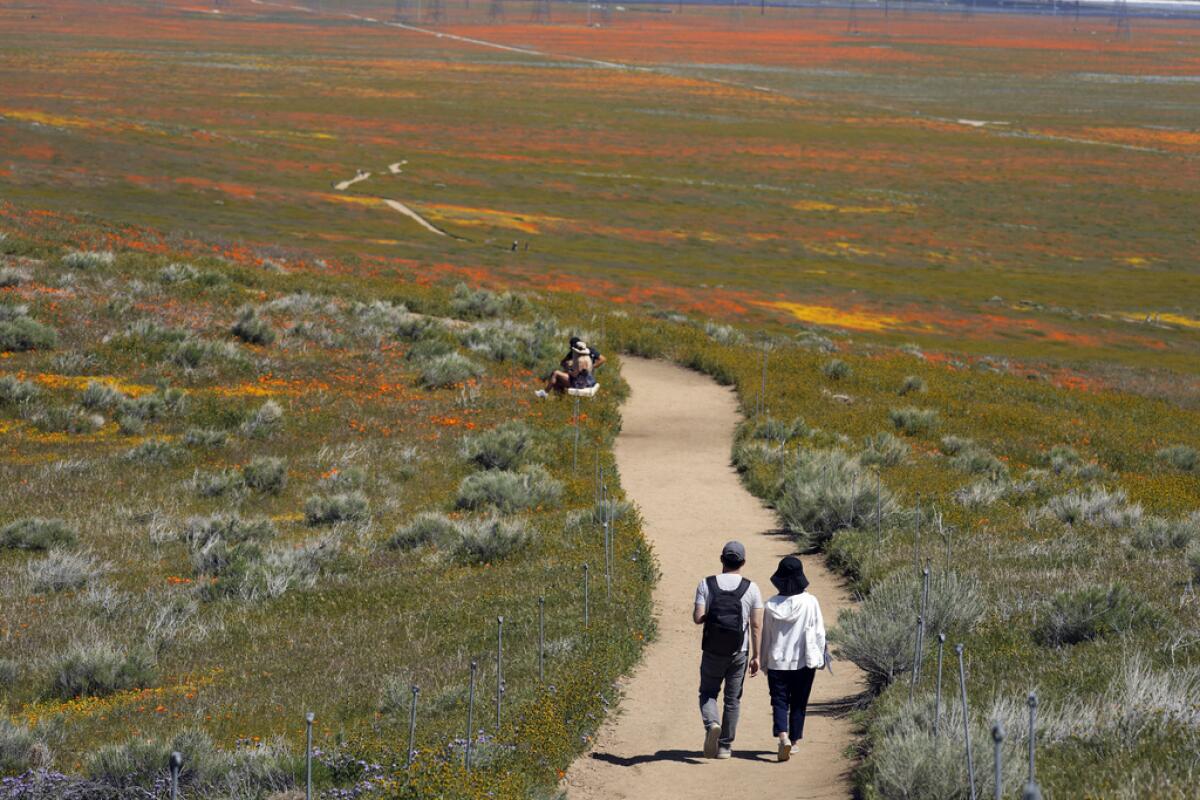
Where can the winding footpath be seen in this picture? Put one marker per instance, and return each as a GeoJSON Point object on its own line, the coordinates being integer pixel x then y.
{"type": "Point", "coordinates": [673, 454]}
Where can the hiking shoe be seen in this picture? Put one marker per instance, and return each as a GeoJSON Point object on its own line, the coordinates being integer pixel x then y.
{"type": "Point", "coordinates": [785, 751]}
{"type": "Point", "coordinates": [795, 748]}
{"type": "Point", "coordinates": [542, 393]}
{"type": "Point", "coordinates": [724, 752]}
{"type": "Point", "coordinates": [712, 735]}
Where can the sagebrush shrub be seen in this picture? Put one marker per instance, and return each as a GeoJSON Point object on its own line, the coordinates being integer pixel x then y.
{"type": "Point", "coordinates": [912, 420]}
{"type": "Point", "coordinates": [14, 391]}
{"type": "Point", "coordinates": [138, 767]}
{"type": "Point", "coordinates": [218, 484]}
{"type": "Point", "coordinates": [193, 352]}
{"type": "Point", "coordinates": [978, 461]}
{"type": "Point", "coordinates": [88, 259]}
{"type": "Point", "coordinates": [911, 384]}
{"type": "Point", "coordinates": [205, 437]}
{"type": "Point", "coordinates": [63, 419]}
{"type": "Point", "coordinates": [415, 327]}
{"type": "Point", "coordinates": [17, 747]}
{"type": "Point", "coordinates": [59, 570]}
{"type": "Point", "coordinates": [1156, 533]}
{"type": "Point", "coordinates": [343, 479]}
{"type": "Point", "coordinates": [986, 491]}
{"type": "Point", "coordinates": [777, 430]}
{"type": "Point", "coordinates": [468, 303]}
{"type": "Point", "coordinates": [266, 420]}
{"type": "Point", "coordinates": [489, 540]}
{"type": "Point", "coordinates": [1180, 456]}
{"type": "Point", "coordinates": [232, 528]}
{"type": "Point", "coordinates": [504, 447]}
{"type": "Point", "coordinates": [178, 273]}
{"type": "Point", "coordinates": [1193, 562]}
{"type": "Point", "coordinates": [884, 449]}
{"type": "Point", "coordinates": [100, 396]}
{"type": "Point", "coordinates": [36, 533]}
{"type": "Point", "coordinates": [825, 491]}
{"type": "Point", "coordinates": [265, 474]}
{"type": "Point", "coordinates": [723, 334]}
{"type": "Point", "coordinates": [22, 333]}
{"type": "Point", "coordinates": [320, 509]}
{"type": "Point", "coordinates": [10, 277]}
{"type": "Point", "coordinates": [836, 369]}
{"type": "Point", "coordinates": [508, 491]}
{"type": "Point", "coordinates": [425, 528]}
{"type": "Point", "coordinates": [98, 669]}
{"type": "Point", "coordinates": [1095, 506]}
{"type": "Point", "coordinates": [154, 451]}
{"type": "Point", "coordinates": [251, 328]}
{"type": "Point", "coordinates": [1091, 613]}
{"type": "Point", "coordinates": [446, 370]}
{"type": "Point", "coordinates": [516, 342]}
{"type": "Point", "coordinates": [879, 634]}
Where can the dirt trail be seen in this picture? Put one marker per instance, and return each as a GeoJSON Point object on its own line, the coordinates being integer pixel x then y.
{"type": "Point", "coordinates": [673, 455]}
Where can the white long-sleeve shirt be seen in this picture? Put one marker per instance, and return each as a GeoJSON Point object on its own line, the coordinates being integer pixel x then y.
{"type": "Point", "coordinates": [793, 634]}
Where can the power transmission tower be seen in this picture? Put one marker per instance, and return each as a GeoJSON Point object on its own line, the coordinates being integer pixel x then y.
{"type": "Point", "coordinates": [852, 19]}
{"type": "Point", "coordinates": [400, 13]}
{"type": "Point", "coordinates": [496, 11]}
{"type": "Point", "coordinates": [435, 11]}
{"type": "Point", "coordinates": [1121, 20]}
{"type": "Point", "coordinates": [605, 12]}
{"type": "Point", "coordinates": [541, 11]}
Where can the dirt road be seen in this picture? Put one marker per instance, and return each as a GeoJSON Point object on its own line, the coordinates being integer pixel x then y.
{"type": "Point", "coordinates": [673, 454]}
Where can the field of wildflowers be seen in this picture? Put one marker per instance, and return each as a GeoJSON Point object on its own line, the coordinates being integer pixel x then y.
{"type": "Point", "coordinates": [211, 482]}
{"type": "Point", "coordinates": [258, 454]}
{"type": "Point", "coordinates": [1060, 529]}
{"type": "Point", "coordinates": [993, 184]}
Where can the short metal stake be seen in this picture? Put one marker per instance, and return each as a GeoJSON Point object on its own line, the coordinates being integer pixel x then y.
{"type": "Point", "coordinates": [912, 683]}
{"type": "Point", "coordinates": [937, 697]}
{"type": "Point", "coordinates": [176, 765]}
{"type": "Point", "coordinates": [1032, 791]}
{"type": "Point", "coordinates": [471, 714]}
{"type": "Point", "coordinates": [997, 756]}
{"type": "Point", "coordinates": [917, 537]}
{"type": "Point", "coordinates": [308, 754]}
{"type": "Point", "coordinates": [412, 727]}
{"type": "Point", "coordinates": [962, 684]}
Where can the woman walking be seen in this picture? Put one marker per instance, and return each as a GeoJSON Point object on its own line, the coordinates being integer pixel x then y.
{"type": "Point", "coordinates": [793, 642]}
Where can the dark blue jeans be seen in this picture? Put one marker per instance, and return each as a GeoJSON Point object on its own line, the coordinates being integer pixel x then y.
{"type": "Point", "coordinates": [789, 699]}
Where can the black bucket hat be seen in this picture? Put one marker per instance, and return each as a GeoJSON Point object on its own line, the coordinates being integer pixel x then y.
{"type": "Point", "coordinates": [789, 577]}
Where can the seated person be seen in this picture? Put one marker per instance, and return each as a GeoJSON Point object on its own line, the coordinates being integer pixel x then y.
{"type": "Point", "coordinates": [576, 372]}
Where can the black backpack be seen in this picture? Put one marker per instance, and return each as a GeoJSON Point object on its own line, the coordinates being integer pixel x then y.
{"type": "Point", "coordinates": [724, 628]}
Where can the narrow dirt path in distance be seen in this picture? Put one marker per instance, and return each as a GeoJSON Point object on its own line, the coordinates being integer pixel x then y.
{"type": "Point", "coordinates": [673, 454]}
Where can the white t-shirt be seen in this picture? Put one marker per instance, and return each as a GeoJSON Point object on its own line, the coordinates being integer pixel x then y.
{"type": "Point", "coordinates": [751, 600]}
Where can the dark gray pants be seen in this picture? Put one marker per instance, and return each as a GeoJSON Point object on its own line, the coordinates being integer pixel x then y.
{"type": "Point", "coordinates": [715, 671]}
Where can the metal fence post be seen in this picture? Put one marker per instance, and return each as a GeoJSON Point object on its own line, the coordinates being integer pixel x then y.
{"type": "Point", "coordinates": [176, 765]}
{"type": "Point", "coordinates": [412, 727]}
{"type": "Point", "coordinates": [308, 752]}
{"type": "Point", "coordinates": [962, 684]}
{"type": "Point", "coordinates": [917, 537]}
{"type": "Point", "coordinates": [937, 697]}
{"type": "Point", "coordinates": [575, 452]}
{"type": "Point", "coordinates": [499, 668]}
{"type": "Point", "coordinates": [915, 676]}
{"type": "Point", "coordinates": [542, 639]}
{"type": "Point", "coordinates": [607, 561]}
{"type": "Point", "coordinates": [471, 714]}
{"type": "Point", "coordinates": [1032, 791]}
{"type": "Point", "coordinates": [923, 620]}
{"type": "Point", "coordinates": [997, 756]}
{"type": "Point", "coordinates": [586, 620]}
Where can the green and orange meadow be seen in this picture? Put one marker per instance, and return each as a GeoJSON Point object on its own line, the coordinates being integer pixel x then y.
{"type": "Point", "coordinates": [276, 283]}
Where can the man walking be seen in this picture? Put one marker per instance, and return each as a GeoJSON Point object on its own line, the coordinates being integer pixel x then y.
{"type": "Point", "coordinates": [731, 609]}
